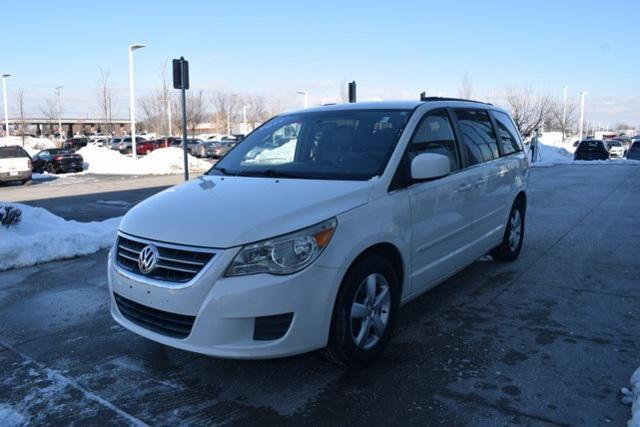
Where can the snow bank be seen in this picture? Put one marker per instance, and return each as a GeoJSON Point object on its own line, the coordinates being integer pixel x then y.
{"type": "Point", "coordinates": [31, 145]}
{"type": "Point", "coordinates": [42, 236]}
{"type": "Point", "coordinates": [163, 161]}
{"type": "Point", "coordinates": [560, 154]}
{"type": "Point", "coordinates": [633, 396]}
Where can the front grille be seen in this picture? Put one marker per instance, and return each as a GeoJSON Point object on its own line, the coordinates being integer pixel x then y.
{"type": "Point", "coordinates": [174, 265]}
{"type": "Point", "coordinates": [162, 322]}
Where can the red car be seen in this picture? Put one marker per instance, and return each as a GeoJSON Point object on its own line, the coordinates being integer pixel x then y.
{"type": "Point", "coordinates": [146, 147]}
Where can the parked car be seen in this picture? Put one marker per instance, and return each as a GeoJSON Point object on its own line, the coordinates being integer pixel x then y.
{"type": "Point", "coordinates": [633, 153]}
{"type": "Point", "coordinates": [75, 143]}
{"type": "Point", "coordinates": [114, 143]}
{"type": "Point", "coordinates": [616, 149]}
{"type": "Point", "coordinates": [219, 149]}
{"type": "Point", "coordinates": [200, 150]}
{"type": "Point", "coordinates": [146, 147]}
{"type": "Point", "coordinates": [15, 165]}
{"type": "Point", "coordinates": [592, 149]}
{"type": "Point", "coordinates": [57, 161]}
{"type": "Point", "coordinates": [99, 141]}
{"type": "Point", "coordinates": [191, 144]}
{"type": "Point", "coordinates": [125, 146]}
{"type": "Point", "coordinates": [318, 242]}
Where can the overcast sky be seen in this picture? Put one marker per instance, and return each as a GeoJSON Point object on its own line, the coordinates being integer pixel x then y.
{"type": "Point", "coordinates": [394, 50]}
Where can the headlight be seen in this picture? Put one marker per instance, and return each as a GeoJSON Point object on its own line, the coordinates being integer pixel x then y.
{"type": "Point", "coordinates": [283, 254]}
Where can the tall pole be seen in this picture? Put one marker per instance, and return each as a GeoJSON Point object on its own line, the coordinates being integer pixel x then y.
{"type": "Point", "coordinates": [58, 93]}
{"type": "Point", "coordinates": [305, 94]}
{"type": "Point", "coordinates": [169, 115]}
{"type": "Point", "coordinates": [132, 103]}
{"type": "Point", "coordinates": [183, 72]}
{"type": "Point", "coordinates": [244, 119]}
{"type": "Point", "coordinates": [564, 113]}
{"type": "Point", "coordinates": [4, 96]}
{"type": "Point", "coordinates": [582, 94]}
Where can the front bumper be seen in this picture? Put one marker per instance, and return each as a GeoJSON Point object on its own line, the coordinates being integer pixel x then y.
{"type": "Point", "coordinates": [226, 308]}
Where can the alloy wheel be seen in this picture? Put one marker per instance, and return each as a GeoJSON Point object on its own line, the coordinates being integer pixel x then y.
{"type": "Point", "coordinates": [370, 311]}
{"type": "Point", "coordinates": [515, 231]}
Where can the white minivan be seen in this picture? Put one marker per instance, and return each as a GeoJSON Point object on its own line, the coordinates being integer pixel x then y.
{"type": "Point", "coordinates": [315, 229]}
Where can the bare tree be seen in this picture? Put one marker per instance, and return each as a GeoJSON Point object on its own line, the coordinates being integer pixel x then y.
{"type": "Point", "coordinates": [49, 111]}
{"type": "Point", "coordinates": [22, 122]}
{"type": "Point", "coordinates": [222, 110]}
{"type": "Point", "coordinates": [529, 111]}
{"type": "Point", "coordinates": [561, 120]}
{"type": "Point", "coordinates": [156, 105]}
{"type": "Point", "coordinates": [196, 110]}
{"type": "Point", "coordinates": [105, 100]}
{"type": "Point", "coordinates": [465, 90]}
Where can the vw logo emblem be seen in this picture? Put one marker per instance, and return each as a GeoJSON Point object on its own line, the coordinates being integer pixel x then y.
{"type": "Point", "coordinates": [147, 259]}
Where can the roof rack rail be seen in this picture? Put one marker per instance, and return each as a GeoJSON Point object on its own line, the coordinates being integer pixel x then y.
{"type": "Point", "coordinates": [425, 98]}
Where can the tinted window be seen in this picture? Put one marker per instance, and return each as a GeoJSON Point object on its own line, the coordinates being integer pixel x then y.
{"type": "Point", "coordinates": [509, 137]}
{"type": "Point", "coordinates": [435, 135]}
{"type": "Point", "coordinates": [635, 147]}
{"type": "Point", "coordinates": [591, 145]}
{"type": "Point", "coordinates": [12, 152]}
{"type": "Point", "coordinates": [480, 140]}
{"type": "Point", "coordinates": [338, 144]}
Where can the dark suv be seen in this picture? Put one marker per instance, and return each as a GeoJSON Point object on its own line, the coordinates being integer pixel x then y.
{"type": "Point", "coordinates": [633, 153]}
{"type": "Point", "coordinates": [75, 143]}
{"type": "Point", "coordinates": [591, 149]}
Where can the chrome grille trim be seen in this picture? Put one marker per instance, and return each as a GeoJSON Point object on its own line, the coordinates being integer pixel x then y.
{"type": "Point", "coordinates": [177, 265]}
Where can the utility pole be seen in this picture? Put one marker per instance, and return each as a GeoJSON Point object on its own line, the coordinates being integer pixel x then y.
{"type": "Point", "coordinates": [132, 102]}
{"type": "Point", "coordinates": [59, 94]}
{"type": "Point", "coordinates": [6, 109]}
{"type": "Point", "coordinates": [582, 94]}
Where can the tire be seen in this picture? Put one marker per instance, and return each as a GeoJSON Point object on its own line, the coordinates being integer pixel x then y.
{"type": "Point", "coordinates": [511, 245]}
{"type": "Point", "coordinates": [352, 342]}
{"type": "Point", "coordinates": [50, 169]}
{"type": "Point", "coordinates": [146, 153]}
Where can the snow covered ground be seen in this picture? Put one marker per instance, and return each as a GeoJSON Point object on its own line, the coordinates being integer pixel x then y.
{"type": "Point", "coordinates": [42, 236]}
{"type": "Point", "coordinates": [633, 397]}
{"type": "Point", "coordinates": [164, 161]}
{"type": "Point", "coordinates": [554, 152]}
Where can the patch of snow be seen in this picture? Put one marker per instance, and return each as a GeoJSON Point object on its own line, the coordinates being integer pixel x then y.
{"type": "Point", "coordinates": [42, 236]}
{"type": "Point", "coordinates": [31, 145]}
{"type": "Point", "coordinates": [163, 161]}
{"type": "Point", "coordinates": [274, 156]}
{"type": "Point", "coordinates": [561, 153]}
{"type": "Point", "coordinates": [633, 397]}
{"type": "Point", "coordinates": [10, 418]}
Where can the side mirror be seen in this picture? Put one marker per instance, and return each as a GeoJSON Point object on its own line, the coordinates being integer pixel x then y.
{"type": "Point", "coordinates": [430, 166]}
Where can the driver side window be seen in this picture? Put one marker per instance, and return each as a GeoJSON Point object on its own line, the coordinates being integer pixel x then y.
{"type": "Point", "coordinates": [435, 135]}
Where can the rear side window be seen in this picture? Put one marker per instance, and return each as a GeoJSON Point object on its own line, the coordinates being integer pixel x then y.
{"type": "Point", "coordinates": [635, 147]}
{"type": "Point", "coordinates": [509, 137]}
{"type": "Point", "coordinates": [12, 152]}
{"type": "Point", "coordinates": [435, 135]}
{"type": "Point", "coordinates": [479, 139]}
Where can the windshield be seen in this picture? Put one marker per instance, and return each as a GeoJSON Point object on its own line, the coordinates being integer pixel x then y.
{"type": "Point", "coordinates": [348, 144]}
{"type": "Point", "coordinates": [615, 144]}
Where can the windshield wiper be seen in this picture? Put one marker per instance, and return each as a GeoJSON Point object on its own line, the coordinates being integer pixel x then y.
{"type": "Point", "coordinates": [271, 173]}
{"type": "Point", "coordinates": [224, 171]}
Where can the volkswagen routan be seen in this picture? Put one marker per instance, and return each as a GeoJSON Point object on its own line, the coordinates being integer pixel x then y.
{"type": "Point", "coordinates": [314, 230]}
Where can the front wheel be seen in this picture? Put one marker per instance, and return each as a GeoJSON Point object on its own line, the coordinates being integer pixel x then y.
{"type": "Point", "coordinates": [513, 237]}
{"type": "Point", "coordinates": [365, 313]}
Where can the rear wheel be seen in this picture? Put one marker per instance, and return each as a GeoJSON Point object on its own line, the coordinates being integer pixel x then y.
{"type": "Point", "coordinates": [513, 237]}
{"type": "Point", "coordinates": [365, 313]}
{"type": "Point", "coordinates": [50, 168]}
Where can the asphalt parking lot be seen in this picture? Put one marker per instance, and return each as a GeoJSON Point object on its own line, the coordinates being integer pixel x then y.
{"type": "Point", "coordinates": [547, 340]}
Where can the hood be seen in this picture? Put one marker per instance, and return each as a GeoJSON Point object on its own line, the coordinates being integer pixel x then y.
{"type": "Point", "coordinates": [222, 212]}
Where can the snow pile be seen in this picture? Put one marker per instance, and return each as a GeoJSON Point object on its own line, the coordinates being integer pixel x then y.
{"type": "Point", "coordinates": [633, 396]}
{"type": "Point", "coordinates": [42, 236]}
{"type": "Point", "coordinates": [163, 161]}
{"type": "Point", "coordinates": [551, 155]}
{"type": "Point", "coordinates": [31, 145]}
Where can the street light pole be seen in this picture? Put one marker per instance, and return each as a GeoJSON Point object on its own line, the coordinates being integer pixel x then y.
{"type": "Point", "coordinates": [582, 94]}
{"type": "Point", "coordinates": [169, 115]}
{"type": "Point", "coordinates": [305, 94]}
{"type": "Point", "coordinates": [564, 113]}
{"type": "Point", "coordinates": [4, 96]}
{"type": "Point", "coordinates": [244, 119]}
{"type": "Point", "coordinates": [58, 93]}
{"type": "Point", "coordinates": [132, 104]}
